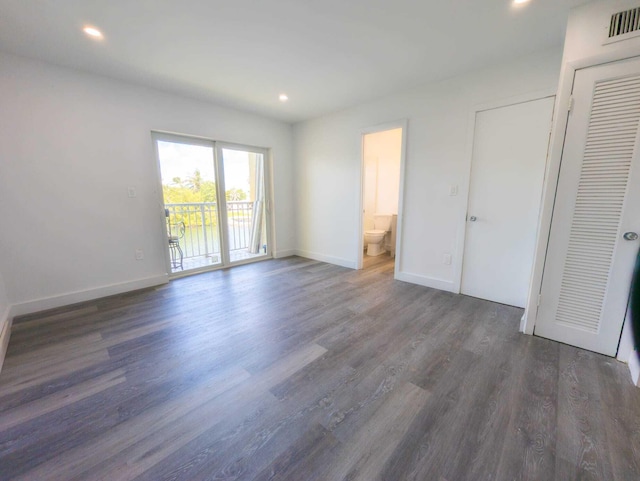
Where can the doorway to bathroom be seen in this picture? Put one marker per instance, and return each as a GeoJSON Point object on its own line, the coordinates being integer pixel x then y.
{"type": "Point", "coordinates": [381, 201]}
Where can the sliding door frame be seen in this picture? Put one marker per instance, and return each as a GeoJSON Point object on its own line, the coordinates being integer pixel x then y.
{"type": "Point", "coordinates": [226, 261]}
{"type": "Point", "coordinates": [217, 147]}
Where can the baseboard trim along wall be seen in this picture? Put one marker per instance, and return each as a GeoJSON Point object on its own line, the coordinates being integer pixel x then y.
{"type": "Point", "coordinates": [328, 259]}
{"type": "Point", "coordinates": [67, 299]}
{"type": "Point", "coordinates": [425, 281]}
{"type": "Point", "coordinates": [5, 333]}
{"type": "Point", "coordinates": [284, 253]}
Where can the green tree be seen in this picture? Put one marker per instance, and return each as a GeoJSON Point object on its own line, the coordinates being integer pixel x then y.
{"type": "Point", "coordinates": [235, 194]}
{"type": "Point", "coordinates": [208, 191]}
{"type": "Point", "coordinates": [194, 182]}
{"type": "Point", "coordinates": [193, 190]}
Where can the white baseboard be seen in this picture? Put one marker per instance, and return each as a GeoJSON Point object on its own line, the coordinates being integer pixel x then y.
{"type": "Point", "coordinates": [433, 282]}
{"type": "Point", "coordinates": [284, 253]}
{"type": "Point", "coordinates": [85, 295]}
{"type": "Point", "coordinates": [634, 367]}
{"type": "Point", "coordinates": [523, 322]}
{"type": "Point", "coordinates": [328, 259]}
{"type": "Point", "coordinates": [5, 333]}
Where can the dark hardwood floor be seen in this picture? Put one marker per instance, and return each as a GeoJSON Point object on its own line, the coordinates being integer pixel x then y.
{"type": "Point", "coordinates": [293, 369]}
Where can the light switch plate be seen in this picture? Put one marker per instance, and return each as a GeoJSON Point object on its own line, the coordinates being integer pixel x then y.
{"type": "Point", "coordinates": [131, 192]}
{"type": "Point", "coordinates": [453, 190]}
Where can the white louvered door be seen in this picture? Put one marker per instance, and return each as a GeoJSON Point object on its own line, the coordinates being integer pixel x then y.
{"type": "Point", "coordinates": [589, 264]}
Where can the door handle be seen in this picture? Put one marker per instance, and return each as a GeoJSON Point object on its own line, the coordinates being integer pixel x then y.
{"type": "Point", "coordinates": [630, 236]}
{"type": "Point", "coordinates": [473, 218]}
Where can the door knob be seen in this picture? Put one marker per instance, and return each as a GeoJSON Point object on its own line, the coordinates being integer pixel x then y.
{"type": "Point", "coordinates": [630, 236]}
{"type": "Point", "coordinates": [473, 218]}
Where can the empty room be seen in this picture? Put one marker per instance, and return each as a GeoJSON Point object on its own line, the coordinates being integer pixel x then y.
{"type": "Point", "coordinates": [320, 240]}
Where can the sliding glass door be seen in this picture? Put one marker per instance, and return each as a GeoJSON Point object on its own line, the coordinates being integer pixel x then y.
{"type": "Point", "coordinates": [215, 203]}
{"type": "Point", "coordinates": [245, 216]}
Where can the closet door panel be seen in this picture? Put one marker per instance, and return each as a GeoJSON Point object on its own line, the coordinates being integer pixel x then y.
{"type": "Point", "coordinates": [589, 263]}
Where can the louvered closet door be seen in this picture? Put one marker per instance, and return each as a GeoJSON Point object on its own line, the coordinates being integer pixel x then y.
{"type": "Point", "coordinates": [589, 264]}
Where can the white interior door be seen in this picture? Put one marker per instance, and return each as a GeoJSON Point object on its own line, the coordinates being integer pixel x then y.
{"type": "Point", "coordinates": [507, 173]}
{"type": "Point", "coordinates": [589, 263]}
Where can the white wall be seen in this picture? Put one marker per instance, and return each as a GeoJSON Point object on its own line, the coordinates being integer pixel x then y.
{"type": "Point", "coordinates": [370, 189]}
{"type": "Point", "coordinates": [70, 144]}
{"type": "Point", "coordinates": [587, 28]}
{"type": "Point", "coordinates": [438, 154]}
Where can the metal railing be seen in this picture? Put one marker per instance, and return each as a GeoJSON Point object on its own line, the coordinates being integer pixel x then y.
{"type": "Point", "coordinates": [201, 231]}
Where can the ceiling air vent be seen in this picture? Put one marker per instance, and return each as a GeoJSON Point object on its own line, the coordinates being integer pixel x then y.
{"type": "Point", "coordinates": [625, 22]}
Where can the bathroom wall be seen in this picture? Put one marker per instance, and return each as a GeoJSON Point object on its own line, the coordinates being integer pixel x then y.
{"type": "Point", "coordinates": [381, 174]}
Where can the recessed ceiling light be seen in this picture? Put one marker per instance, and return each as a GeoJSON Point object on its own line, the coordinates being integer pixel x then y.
{"type": "Point", "coordinates": [283, 97]}
{"type": "Point", "coordinates": [520, 2]}
{"type": "Point", "coordinates": [93, 32]}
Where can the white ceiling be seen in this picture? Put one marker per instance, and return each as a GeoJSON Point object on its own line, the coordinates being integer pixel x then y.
{"type": "Point", "coordinates": [325, 54]}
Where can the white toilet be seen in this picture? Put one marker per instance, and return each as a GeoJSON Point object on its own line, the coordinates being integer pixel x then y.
{"type": "Point", "coordinates": [375, 238]}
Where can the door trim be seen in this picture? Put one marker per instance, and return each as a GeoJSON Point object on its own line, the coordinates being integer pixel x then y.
{"type": "Point", "coordinates": [155, 137]}
{"type": "Point", "coordinates": [458, 257]}
{"type": "Point", "coordinates": [398, 124]}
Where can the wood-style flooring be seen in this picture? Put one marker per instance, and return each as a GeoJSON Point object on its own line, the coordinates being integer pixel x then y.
{"type": "Point", "coordinates": [294, 369]}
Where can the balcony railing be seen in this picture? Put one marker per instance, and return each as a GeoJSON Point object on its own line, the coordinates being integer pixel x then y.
{"type": "Point", "coordinates": [201, 231]}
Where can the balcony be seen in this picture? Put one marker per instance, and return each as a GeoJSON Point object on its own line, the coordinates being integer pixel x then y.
{"type": "Point", "coordinates": [200, 240]}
